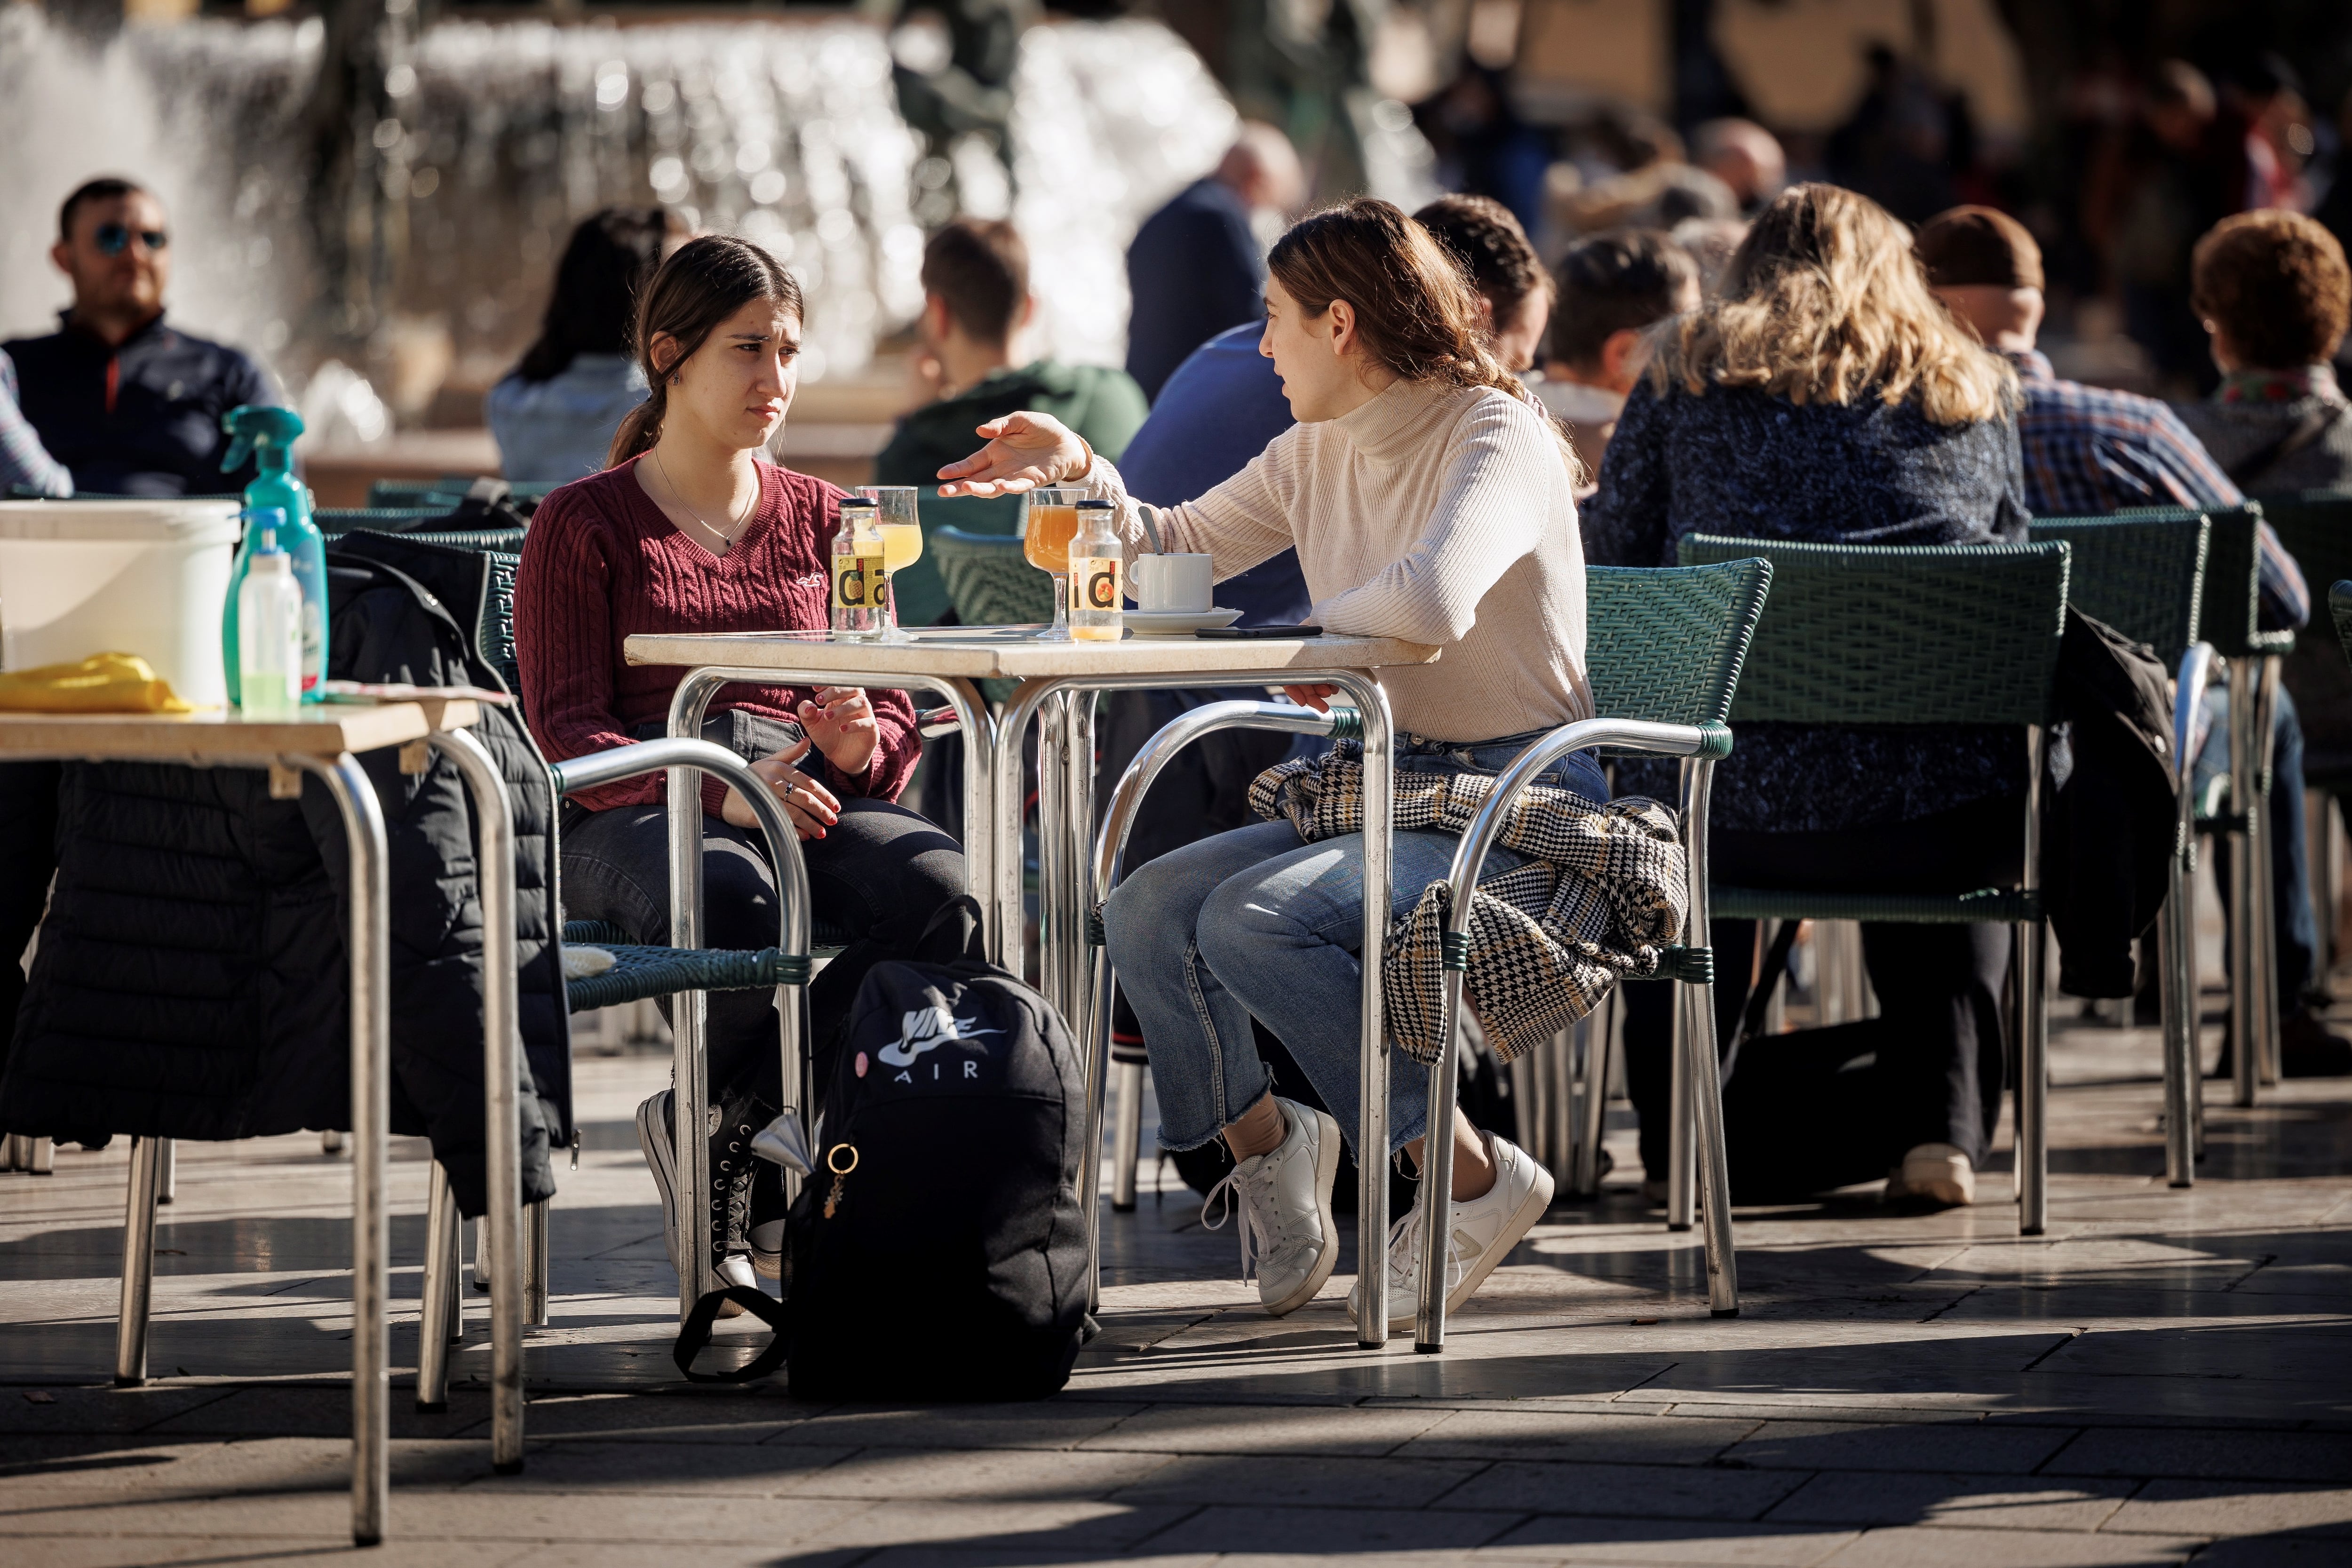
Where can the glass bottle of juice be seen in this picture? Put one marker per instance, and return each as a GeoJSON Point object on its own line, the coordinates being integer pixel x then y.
{"type": "Point", "coordinates": [856, 571]}
{"type": "Point", "coordinates": [1097, 558]}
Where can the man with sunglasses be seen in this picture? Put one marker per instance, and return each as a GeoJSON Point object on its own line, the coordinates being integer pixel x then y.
{"type": "Point", "coordinates": [130, 405]}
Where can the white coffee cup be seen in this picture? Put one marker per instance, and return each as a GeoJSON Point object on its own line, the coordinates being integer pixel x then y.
{"type": "Point", "coordinates": [1170, 582]}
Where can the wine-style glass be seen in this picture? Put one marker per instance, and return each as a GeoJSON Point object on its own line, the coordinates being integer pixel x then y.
{"type": "Point", "coordinates": [1049, 522]}
{"type": "Point", "coordinates": [902, 546]}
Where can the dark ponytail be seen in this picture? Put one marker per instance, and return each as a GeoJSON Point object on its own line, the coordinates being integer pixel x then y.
{"type": "Point", "coordinates": [703, 283]}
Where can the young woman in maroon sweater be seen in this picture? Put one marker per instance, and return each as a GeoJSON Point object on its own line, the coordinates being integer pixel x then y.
{"type": "Point", "coordinates": [688, 531]}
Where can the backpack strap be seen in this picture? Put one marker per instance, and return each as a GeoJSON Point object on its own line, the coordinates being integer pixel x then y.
{"type": "Point", "coordinates": [694, 1335]}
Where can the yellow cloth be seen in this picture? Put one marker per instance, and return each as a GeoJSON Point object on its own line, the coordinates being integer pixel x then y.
{"type": "Point", "coordinates": [102, 683]}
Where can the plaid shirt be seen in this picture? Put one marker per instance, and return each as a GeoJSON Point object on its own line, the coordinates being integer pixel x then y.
{"type": "Point", "coordinates": [23, 459]}
{"type": "Point", "coordinates": [2092, 450]}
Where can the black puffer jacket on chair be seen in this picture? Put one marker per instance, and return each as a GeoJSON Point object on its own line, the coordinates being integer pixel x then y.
{"type": "Point", "coordinates": [190, 977]}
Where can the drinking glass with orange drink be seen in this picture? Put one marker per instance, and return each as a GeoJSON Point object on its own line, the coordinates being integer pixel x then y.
{"type": "Point", "coordinates": [902, 545]}
{"type": "Point", "coordinates": [1049, 522]}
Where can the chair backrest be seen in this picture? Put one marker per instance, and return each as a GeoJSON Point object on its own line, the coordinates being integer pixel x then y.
{"type": "Point", "coordinates": [2233, 568]}
{"type": "Point", "coordinates": [495, 633]}
{"type": "Point", "coordinates": [1666, 644]}
{"type": "Point", "coordinates": [989, 582]}
{"type": "Point", "coordinates": [1939, 634]}
{"type": "Point", "coordinates": [2339, 610]}
{"type": "Point", "coordinates": [335, 520]}
{"type": "Point", "coordinates": [2145, 576]}
{"type": "Point", "coordinates": [2315, 526]}
{"type": "Point", "coordinates": [445, 492]}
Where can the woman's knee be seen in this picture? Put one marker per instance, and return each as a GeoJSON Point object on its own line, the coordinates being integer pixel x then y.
{"type": "Point", "coordinates": [1149, 915]}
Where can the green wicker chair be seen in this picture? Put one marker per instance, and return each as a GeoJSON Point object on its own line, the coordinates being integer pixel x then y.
{"type": "Point", "coordinates": [444, 493]}
{"type": "Point", "coordinates": [340, 520]}
{"type": "Point", "coordinates": [2317, 529]}
{"type": "Point", "coordinates": [1909, 636]}
{"type": "Point", "coordinates": [2144, 575]}
{"type": "Point", "coordinates": [2256, 661]}
{"type": "Point", "coordinates": [989, 581]}
{"type": "Point", "coordinates": [1668, 646]}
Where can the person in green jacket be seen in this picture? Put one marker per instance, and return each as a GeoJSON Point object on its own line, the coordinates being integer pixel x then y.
{"type": "Point", "coordinates": [976, 314]}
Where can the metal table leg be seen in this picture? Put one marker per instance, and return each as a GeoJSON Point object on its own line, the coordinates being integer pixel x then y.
{"type": "Point", "coordinates": [437, 1311]}
{"type": "Point", "coordinates": [2245, 1058]}
{"type": "Point", "coordinates": [2033, 1006]}
{"type": "Point", "coordinates": [138, 1264]}
{"type": "Point", "coordinates": [2265, 927]}
{"type": "Point", "coordinates": [167, 1169]}
{"type": "Point", "coordinates": [501, 1081]}
{"type": "Point", "coordinates": [2176, 937]}
{"type": "Point", "coordinates": [369, 942]}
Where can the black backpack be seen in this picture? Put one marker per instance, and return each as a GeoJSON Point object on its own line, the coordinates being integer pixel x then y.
{"type": "Point", "coordinates": [939, 1249]}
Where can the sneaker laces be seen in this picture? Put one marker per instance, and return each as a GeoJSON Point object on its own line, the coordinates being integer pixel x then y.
{"type": "Point", "coordinates": [1404, 1252]}
{"type": "Point", "coordinates": [1248, 1192]}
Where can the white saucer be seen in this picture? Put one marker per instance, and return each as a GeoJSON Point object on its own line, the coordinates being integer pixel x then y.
{"type": "Point", "coordinates": [1178, 623]}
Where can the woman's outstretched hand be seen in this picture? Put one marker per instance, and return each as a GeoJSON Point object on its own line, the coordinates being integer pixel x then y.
{"type": "Point", "coordinates": [809, 804]}
{"type": "Point", "coordinates": [1024, 451]}
{"type": "Point", "coordinates": [841, 721]}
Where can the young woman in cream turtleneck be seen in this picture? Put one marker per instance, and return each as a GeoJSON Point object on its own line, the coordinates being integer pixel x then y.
{"type": "Point", "coordinates": [1429, 499]}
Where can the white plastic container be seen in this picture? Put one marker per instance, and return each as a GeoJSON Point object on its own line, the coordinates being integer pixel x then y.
{"type": "Point", "coordinates": [146, 577]}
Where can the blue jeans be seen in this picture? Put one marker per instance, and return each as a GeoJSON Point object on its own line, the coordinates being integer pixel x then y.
{"type": "Point", "coordinates": [1255, 923]}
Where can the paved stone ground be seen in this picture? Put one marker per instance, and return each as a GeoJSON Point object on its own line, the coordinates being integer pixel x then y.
{"type": "Point", "coordinates": [2164, 1377]}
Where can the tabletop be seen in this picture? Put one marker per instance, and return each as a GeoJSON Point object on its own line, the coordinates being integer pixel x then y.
{"type": "Point", "coordinates": [1016, 654]}
{"type": "Point", "coordinates": [320, 730]}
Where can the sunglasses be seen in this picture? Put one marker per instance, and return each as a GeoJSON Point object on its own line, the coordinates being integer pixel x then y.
{"type": "Point", "coordinates": [114, 238]}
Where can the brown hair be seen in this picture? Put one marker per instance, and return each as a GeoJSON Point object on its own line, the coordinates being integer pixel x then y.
{"type": "Point", "coordinates": [2276, 283]}
{"type": "Point", "coordinates": [1621, 280]}
{"type": "Point", "coordinates": [1414, 310]}
{"type": "Point", "coordinates": [1826, 301]}
{"type": "Point", "coordinates": [1491, 248]}
{"type": "Point", "coordinates": [981, 267]}
{"type": "Point", "coordinates": [703, 283]}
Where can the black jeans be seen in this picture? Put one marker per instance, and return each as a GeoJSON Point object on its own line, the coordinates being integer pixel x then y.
{"type": "Point", "coordinates": [890, 878]}
{"type": "Point", "coordinates": [1940, 1042]}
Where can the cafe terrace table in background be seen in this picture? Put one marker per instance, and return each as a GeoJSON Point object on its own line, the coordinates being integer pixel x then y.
{"type": "Point", "coordinates": [324, 739]}
{"type": "Point", "coordinates": [949, 661]}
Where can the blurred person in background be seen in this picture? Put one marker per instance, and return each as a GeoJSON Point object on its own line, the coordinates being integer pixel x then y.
{"type": "Point", "coordinates": [1712, 243]}
{"type": "Point", "coordinates": [1823, 395]}
{"type": "Point", "coordinates": [1612, 287]}
{"type": "Point", "coordinates": [977, 310]}
{"type": "Point", "coordinates": [2271, 291]}
{"type": "Point", "coordinates": [1905, 141]}
{"type": "Point", "coordinates": [130, 405]}
{"type": "Point", "coordinates": [2181, 170]}
{"type": "Point", "coordinates": [1483, 146]}
{"type": "Point", "coordinates": [26, 466]}
{"type": "Point", "coordinates": [2088, 450]}
{"type": "Point", "coordinates": [1513, 289]}
{"type": "Point", "coordinates": [554, 414]}
{"type": "Point", "coordinates": [1196, 267]}
{"type": "Point", "coordinates": [1746, 157]}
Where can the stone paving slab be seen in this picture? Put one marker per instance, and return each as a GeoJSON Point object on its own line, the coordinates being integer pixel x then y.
{"type": "Point", "coordinates": [2163, 1378]}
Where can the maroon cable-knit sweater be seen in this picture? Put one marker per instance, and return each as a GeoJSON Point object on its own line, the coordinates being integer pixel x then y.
{"type": "Point", "coordinates": [601, 564]}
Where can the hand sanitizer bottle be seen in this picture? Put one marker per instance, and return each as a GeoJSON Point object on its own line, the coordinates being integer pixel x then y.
{"type": "Point", "coordinates": [269, 628]}
{"type": "Point", "coordinates": [1097, 557]}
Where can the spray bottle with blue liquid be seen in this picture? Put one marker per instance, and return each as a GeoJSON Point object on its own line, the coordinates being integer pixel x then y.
{"type": "Point", "coordinates": [267, 435]}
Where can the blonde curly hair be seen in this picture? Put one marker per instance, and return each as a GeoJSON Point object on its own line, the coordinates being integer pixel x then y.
{"type": "Point", "coordinates": [1825, 302]}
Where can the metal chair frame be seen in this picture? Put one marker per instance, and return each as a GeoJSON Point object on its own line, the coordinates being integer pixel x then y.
{"type": "Point", "coordinates": [1814, 684]}
{"type": "Point", "coordinates": [2146, 576]}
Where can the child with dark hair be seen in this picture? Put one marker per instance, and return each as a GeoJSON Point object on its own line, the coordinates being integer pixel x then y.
{"type": "Point", "coordinates": [1611, 288]}
{"type": "Point", "coordinates": [1515, 294]}
{"type": "Point", "coordinates": [554, 415]}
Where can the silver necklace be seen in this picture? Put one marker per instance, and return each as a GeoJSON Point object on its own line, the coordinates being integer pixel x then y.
{"type": "Point", "coordinates": [725, 537]}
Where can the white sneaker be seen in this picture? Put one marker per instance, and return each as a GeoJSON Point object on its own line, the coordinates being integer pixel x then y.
{"type": "Point", "coordinates": [1284, 1200]}
{"type": "Point", "coordinates": [1485, 1231]}
{"type": "Point", "coordinates": [1937, 1173]}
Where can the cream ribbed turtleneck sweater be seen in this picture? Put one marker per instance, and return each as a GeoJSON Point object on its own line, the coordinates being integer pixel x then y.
{"type": "Point", "coordinates": [1433, 513]}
